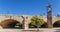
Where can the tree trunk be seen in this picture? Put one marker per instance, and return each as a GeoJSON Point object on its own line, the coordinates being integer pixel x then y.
{"type": "Point", "coordinates": [37, 29]}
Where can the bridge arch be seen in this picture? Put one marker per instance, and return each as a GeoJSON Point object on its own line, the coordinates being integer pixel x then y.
{"type": "Point", "coordinates": [11, 23]}
{"type": "Point", "coordinates": [56, 24]}
{"type": "Point", "coordinates": [42, 26]}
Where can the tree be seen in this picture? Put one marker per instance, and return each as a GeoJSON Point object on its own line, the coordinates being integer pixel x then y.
{"type": "Point", "coordinates": [36, 21]}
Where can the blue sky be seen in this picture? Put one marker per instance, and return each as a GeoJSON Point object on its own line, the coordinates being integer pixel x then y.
{"type": "Point", "coordinates": [28, 7]}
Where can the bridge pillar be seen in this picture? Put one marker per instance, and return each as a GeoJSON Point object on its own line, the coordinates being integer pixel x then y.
{"type": "Point", "coordinates": [25, 23]}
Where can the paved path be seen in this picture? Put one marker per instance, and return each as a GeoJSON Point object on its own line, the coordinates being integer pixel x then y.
{"type": "Point", "coordinates": [31, 30]}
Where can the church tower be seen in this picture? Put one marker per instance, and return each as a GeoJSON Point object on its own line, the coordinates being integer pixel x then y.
{"type": "Point", "coordinates": [49, 16]}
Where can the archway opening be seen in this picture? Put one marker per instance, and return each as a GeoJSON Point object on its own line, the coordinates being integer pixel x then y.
{"type": "Point", "coordinates": [42, 26]}
{"type": "Point", "coordinates": [56, 24]}
{"type": "Point", "coordinates": [10, 23]}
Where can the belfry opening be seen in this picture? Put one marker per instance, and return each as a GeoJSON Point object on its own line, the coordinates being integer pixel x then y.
{"type": "Point", "coordinates": [10, 23]}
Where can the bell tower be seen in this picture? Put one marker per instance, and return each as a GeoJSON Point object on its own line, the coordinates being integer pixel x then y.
{"type": "Point", "coordinates": [49, 16]}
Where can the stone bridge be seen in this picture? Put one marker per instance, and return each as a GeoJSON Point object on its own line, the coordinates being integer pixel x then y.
{"type": "Point", "coordinates": [18, 18]}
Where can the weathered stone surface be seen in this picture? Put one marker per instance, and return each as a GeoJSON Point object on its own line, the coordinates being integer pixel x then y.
{"type": "Point", "coordinates": [19, 18]}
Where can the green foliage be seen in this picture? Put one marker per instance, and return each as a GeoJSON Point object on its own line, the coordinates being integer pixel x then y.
{"type": "Point", "coordinates": [18, 25]}
{"type": "Point", "coordinates": [36, 21]}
